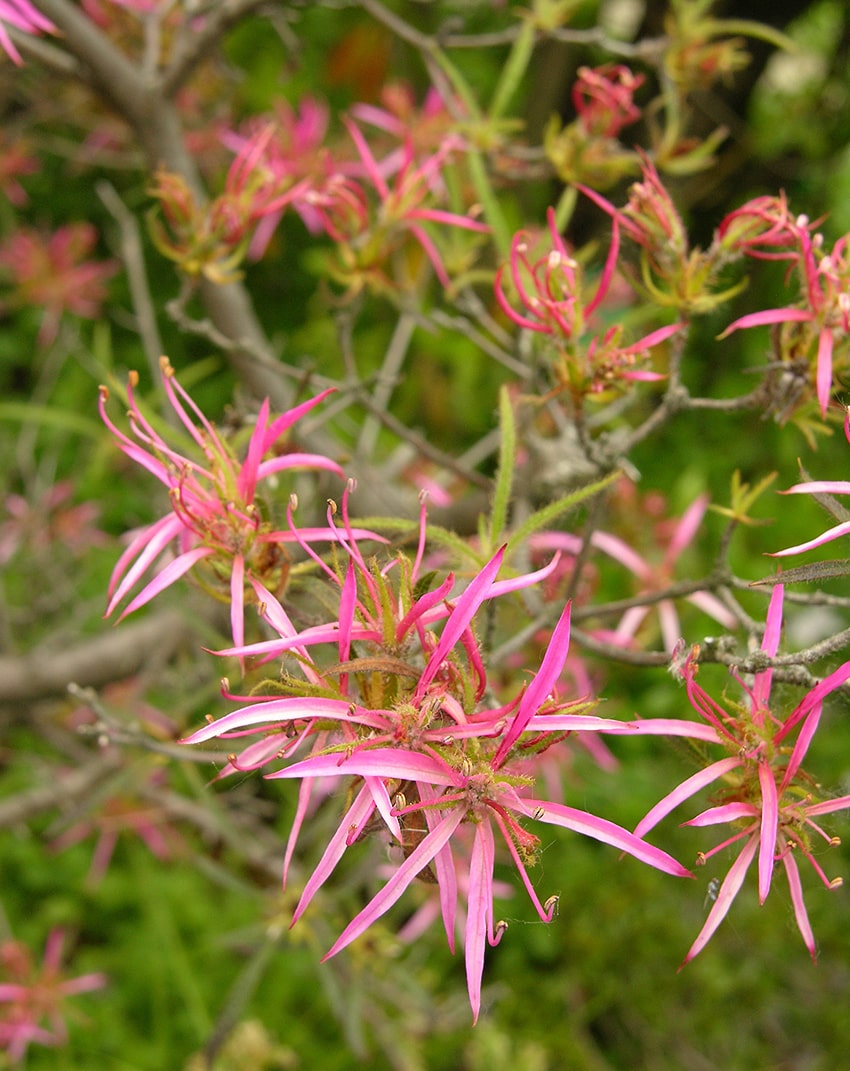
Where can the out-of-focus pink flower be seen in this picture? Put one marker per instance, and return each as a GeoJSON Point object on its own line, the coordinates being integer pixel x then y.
{"type": "Point", "coordinates": [661, 575]}
{"type": "Point", "coordinates": [32, 998]}
{"type": "Point", "coordinates": [132, 812]}
{"type": "Point", "coordinates": [770, 802]}
{"type": "Point", "coordinates": [368, 235]}
{"type": "Point", "coordinates": [54, 274]}
{"type": "Point", "coordinates": [295, 155]}
{"type": "Point", "coordinates": [603, 98]}
{"type": "Point", "coordinates": [212, 240]}
{"type": "Point", "coordinates": [37, 526]}
{"type": "Point", "coordinates": [427, 752]}
{"type": "Point", "coordinates": [215, 517]}
{"type": "Point", "coordinates": [552, 292]}
{"type": "Point", "coordinates": [22, 15]}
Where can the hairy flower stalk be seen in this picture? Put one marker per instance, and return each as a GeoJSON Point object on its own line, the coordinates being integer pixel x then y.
{"type": "Point", "coordinates": [405, 719]}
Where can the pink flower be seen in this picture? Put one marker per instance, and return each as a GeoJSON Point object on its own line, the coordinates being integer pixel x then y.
{"type": "Point", "coordinates": [215, 518]}
{"type": "Point", "coordinates": [53, 274]}
{"type": "Point", "coordinates": [657, 577]}
{"type": "Point", "coordinates": [49, 521]}
{"type": "Point", "coordinates": [15, 161]}
{"type": "Point", "coordinates": [368, 237]}
{"type": "Point", "coordinates": [295, 156]}
{"type": "Point", "coordinates": [424, 753]}
{"type": "Point", "coordinates": [32, 999]}
{"type": "Point", "coordinates": [551, 290]}
{"type": "Point", "coordinates": [603, 98]}
{"type": "Point", "coordinates": [212, 240]}
{"type": "Point", "coordinates": [822, 319]}
{"type": "Point", "coordinates": [22, 15]}
{"type": "Point", "coordinates": [768, 799]}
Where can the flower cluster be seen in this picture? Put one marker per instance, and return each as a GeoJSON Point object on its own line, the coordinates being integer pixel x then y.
{"type": "Point", "coordinates": [764, 794]}
{"type": "Point", "coordinates": [552, 291]}
{"type": "Point", "coordinates": [216, 519]}
{"type": "Point", "coordinates": [587, 149]}
{"type": "Point", "coordinates": [404, 716]}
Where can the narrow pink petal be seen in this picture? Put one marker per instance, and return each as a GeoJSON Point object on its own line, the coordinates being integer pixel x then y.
{"type": "Point", "coordinates": [671, 629]}
{"type": "Point", "coordinates": [607, 271]}
{"type": "Point", "coordinates": [297, 461]}
{"type": "Point", "coordinates": [728, 891]}
{"type": "Point", "coordinates": [794, 884]}
{"type": "Point", "coordinates": [237, 601]}
{"type": "Point", "coordinates": [525, 580]}
{"type": "Point", "coordinates": [801, 745]}
{"type": "Point", "coordinates": [812, 698]}
{"type": "Point", "coordinates": [711, 605]}
{"type": "Point", "coordinates": [823, 377]}
{"type": "Point", "coordinates": [420, 857]}
{"type": "Point", "coordinates": [280, 711]}
{"type": "Point", "coordinates": [479, 911]}
{"type": "Point", "coordinates": [621, 552]}
{"type": "Point", "coordinates": [465, 609]}
{"type": "Point", "coordinates": [815, 487]}
{"type": "Point", "coordinates": [280, 424]}
{"type": "Point", "coordinates": [726, 812]}
{"type": "Point", "coordinates": [768, 316]}
{"type": "Point", "coordinates": [650, 340]}
{"type": "Point", "coordinates": [369, 163]}
{"type": "Point", "coordinates": [601, 829]}
{"type": "Point", "coordinates": [443, 866]}
{"type": "Point", "coordinates": [642, 727]}
{"type": "Point", "coordinates": [540, 688]}
{"type": "Point", "coordinates": [684, 791]}
{"type": "Point", "coordinates": [172, 572]}
{"type": "Point", "coordinates": [279, 620]}
{"type": "Point", "coordinates": [426, 602]}
{"type": "Point", "coordinates": [382, 801]}
{"type": "Point", "coordinates": [381, 762]}
{"type": "Point", "coordinates": [826, 537]}
{"type": "Point", "coordinates": [769, 828]}
{"type": "Point", "coordinates": [770, 645]}
{"type": "Point", "coordinates": [246, 482]}
{"type": "Point", "coordinates": [354, 818]}
{"type": "Point", "coordinates": [687, 528]}
{"type": "Point", "coordinates": [828, 806]}
{"type": "Point", "coordinates": [305, 792]}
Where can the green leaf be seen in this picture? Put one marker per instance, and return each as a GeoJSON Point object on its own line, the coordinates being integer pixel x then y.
{"type": "Point", "coordinates": [505, 473]}
{"type": "Point", "coordinates": [550, 513]}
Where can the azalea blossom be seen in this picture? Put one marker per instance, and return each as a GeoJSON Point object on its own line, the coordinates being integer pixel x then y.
{"type": "Point", "coordinates": [219, 527]}
{"type": "Point", "coordinates": [32, 998]}
{"type": "Point", "coordinates": [772, 805]}
{"type": "Point", "coordinates": [416, 739]}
